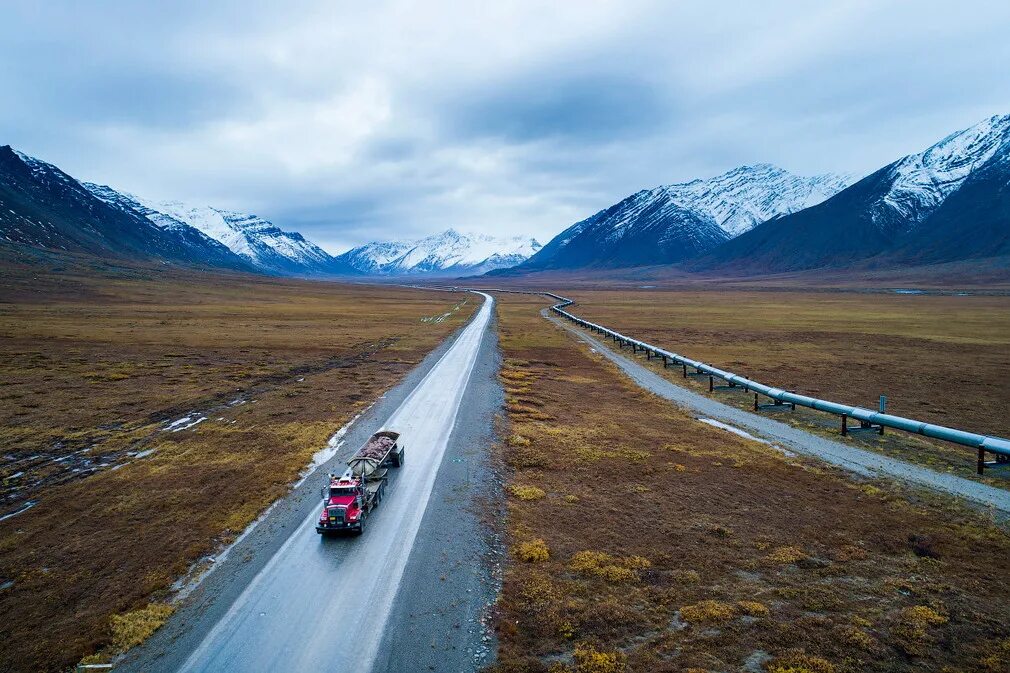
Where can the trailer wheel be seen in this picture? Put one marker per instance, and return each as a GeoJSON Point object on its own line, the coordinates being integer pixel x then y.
{"type": "Point", "coordinates": [399, 458]}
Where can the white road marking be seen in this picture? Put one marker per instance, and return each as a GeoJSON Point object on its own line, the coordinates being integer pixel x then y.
{"type": "Point", "coordinates": [322, 605]}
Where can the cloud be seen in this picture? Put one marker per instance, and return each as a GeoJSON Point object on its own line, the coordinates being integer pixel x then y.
{"type": "Point", "coordinates": [357, 121]}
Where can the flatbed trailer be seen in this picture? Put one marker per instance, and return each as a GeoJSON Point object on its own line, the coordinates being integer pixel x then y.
{"type": "Point", "coordinates": [348, 499]}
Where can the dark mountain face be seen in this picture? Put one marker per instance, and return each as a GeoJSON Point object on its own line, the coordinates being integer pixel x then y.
{"type": "Point", "coordinates": [973, 223]}
{"type": "Point", "coordinates": [645, 228]}
{"type": "Point", "coordinates": [210, 251]}
{"type": "Point", "coordinates": [43, 207]}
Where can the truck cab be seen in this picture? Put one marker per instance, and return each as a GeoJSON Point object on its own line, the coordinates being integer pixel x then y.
{"type": "Point", "coordinates": [348, 499]}
{"type": "Point", "coordinates": [343, 506]}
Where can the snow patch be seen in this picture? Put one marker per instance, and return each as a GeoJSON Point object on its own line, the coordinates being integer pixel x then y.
{"type": "Point", "coordinates": [743, 433]}
{"type": "Point", "coordinates": [184, 423]}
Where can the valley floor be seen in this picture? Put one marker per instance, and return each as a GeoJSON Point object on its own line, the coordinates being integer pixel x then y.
{"type": "Point", "coordinates": [148, 417]}
{"type": "Point", "coordinates": [645, 540]}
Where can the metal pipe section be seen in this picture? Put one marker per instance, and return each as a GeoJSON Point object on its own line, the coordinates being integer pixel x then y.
{"type": "Point", "coordinates": [997, 445]}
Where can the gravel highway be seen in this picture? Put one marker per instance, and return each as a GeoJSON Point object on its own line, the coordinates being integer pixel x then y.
{"type": "Point", "coordinates": [846, 456]}
{"type": "Point", "coordinates": [323, 604]}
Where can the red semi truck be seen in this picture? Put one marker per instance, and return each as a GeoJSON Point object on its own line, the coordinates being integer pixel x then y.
{"type": "Point", "coordinates": [351, 497]}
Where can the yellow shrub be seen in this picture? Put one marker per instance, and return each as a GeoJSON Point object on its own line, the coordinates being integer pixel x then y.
{"type": "Point", "coordinates": [753, 608]}
{"type": "Point", "coordinates": [708, 612]}
{"type": "Point", "coordinates": [636, 562]}
{"type": "Point", "coordinates": [608, 567]}
{"type": "Point", "coordinates": [786, 555]}
{"type": "Point", "coordinates": [912, 627]}
{"type": "Point", "coordinates": [518, 440]}
{"type": "Point", "coordinates": [527, 492]}
{"type": "Point", "coordinates": [133, 628]}
{"type": "Point", "coordinates": [857, 637]}
{"type": "Point", "coordinates": [533, 551]}
{"type": "Point", "coordinates": [570, 499]}
{"type": "Point", "coordinates": [590, 660]}
{"type": "Point", "coordinates": [587, 561]}
{"type": "Point", "coordinates": [613, 573]}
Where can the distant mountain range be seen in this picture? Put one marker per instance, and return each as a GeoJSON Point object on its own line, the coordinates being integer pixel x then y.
{"type": "Point", "coordinates": [673, 223]}
{"type": "Point", "coordinates": [447, 254]}
{"type": "Point", "coordinates": [948, 203]}
{"type": "Point", "coordinates": [43, 207]}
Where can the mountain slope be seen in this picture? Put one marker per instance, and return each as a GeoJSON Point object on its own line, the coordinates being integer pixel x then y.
{"type": "Point", "coordinates": [449, 253]}
{"type": "Point", "coordinates": [260, 242]}
{"type": "Point", "coordinates": [645, 228]}
{"type": "Point", "coordinates": [43, 207]}
{"type": "Point", "coordinates": [211, 252]}
{"type": "Point", "coordinates": [972, 223]}
{"type": "Point", "coordinates": [900, 212]}
{"type": "Point", "coordinates": [677, 222]}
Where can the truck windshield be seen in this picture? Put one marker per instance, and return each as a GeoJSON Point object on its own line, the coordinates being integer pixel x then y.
{"type": "Point", "coordinates": [340, 492]}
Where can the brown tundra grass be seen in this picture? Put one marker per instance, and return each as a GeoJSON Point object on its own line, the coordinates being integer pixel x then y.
{"type": "Point", "coordinates": [95, 364]}
{"type": "Point", "coordinates": [663, 544]}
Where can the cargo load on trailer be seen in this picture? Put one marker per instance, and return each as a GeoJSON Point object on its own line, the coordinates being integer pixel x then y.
{"type": "Point", "coordinates": [349, 498]}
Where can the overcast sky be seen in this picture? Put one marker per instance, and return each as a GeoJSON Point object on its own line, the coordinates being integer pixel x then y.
{"type": "Point", "coordinates": [354, 121]}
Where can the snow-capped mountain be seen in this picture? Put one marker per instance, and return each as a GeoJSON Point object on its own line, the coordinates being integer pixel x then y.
{"type": "Point", "coordinates": [449, 253]}
{"type": "Point", "coordinates": [261, 243]}
{"type": "Point", "coordinates": [43, 207]}
{"type": "Point", "coordinates": [915, 209]}
{"type": "Point", "coordinates": [744, 197]}
{"type": "Point", "coordinates": [921, 182]}
{"type": "Point", "coordinates": [190, 236]}
{"type": "Point", "coordinates": [675, 222]}
{"type": "Point", "coordinates": [372, 258]}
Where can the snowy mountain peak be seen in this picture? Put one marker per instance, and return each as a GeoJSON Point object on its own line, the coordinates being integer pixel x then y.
{"type": "Point", "coordinates": [921, 182]}
{"type": "Point", "coordinates": [449, 252]}
{"type": "Point", "coordinates": [260, 241]}
{"type": "Point", "coordinates": [740, 199]}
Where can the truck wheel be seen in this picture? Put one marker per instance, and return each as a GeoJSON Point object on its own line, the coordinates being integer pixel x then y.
{"type": "Point", "coordinates": [361, 527]}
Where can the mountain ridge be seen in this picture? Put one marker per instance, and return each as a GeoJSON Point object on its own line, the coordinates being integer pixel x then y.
{"type": "Point", "coordinates": [448, 253]}
{"type": "Point", "coordinates": [677, 222]}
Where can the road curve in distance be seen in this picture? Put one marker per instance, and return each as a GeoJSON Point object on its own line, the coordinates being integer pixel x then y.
{"type": "Point", "coordinates": [322, 604]}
